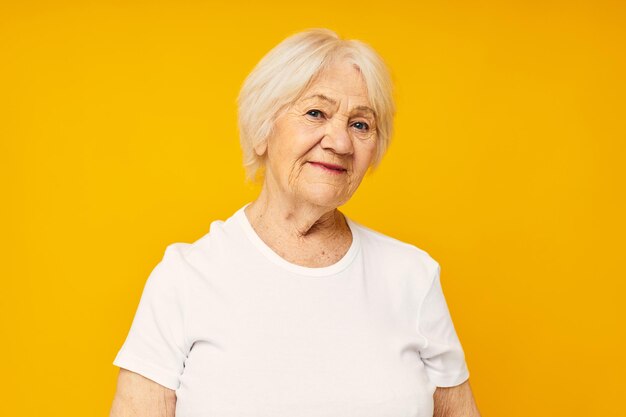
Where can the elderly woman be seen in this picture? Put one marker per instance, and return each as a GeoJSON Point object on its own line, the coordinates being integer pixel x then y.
{"type": "Point", "coordinates": [289, 308]}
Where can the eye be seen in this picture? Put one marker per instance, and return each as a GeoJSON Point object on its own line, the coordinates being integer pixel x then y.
{"type": "Point", "coordinates": [315, 113]}
{"type": "Point", "coordinates": [361, 126]}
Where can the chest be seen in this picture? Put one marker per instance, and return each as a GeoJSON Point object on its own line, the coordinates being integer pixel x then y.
{"type": "Point", "coordinates": [292, 348]}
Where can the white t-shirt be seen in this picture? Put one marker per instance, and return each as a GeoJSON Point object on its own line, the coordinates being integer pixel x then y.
{"type": "Point", "coordinates": [238, 331]}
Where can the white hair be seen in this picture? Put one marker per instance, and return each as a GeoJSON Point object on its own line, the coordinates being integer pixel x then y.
{"type": "Point", "coordinates": [286, 71]}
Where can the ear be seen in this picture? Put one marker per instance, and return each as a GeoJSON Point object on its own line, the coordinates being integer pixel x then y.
{"type": "Point", "coordinates": [261, 147]}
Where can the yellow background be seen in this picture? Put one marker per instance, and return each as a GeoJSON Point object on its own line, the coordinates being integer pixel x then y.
{"type": "Point", "coordinates": [118, 137]}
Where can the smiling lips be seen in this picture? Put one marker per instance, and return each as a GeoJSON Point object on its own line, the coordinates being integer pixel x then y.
{"type": "Point", "coordinates": [331, 168]}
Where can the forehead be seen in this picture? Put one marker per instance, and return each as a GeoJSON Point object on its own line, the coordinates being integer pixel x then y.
{"type": "Point", "coordinates": [339, 82]}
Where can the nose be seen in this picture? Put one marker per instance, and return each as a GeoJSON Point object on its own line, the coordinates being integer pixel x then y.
{"type": "Point", "coordinates": [337, 137]}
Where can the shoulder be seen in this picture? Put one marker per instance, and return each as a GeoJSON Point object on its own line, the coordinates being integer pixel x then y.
{"type": "Point", "coordinates": [182, 260]}
{"type": "Point", "coordinates": [385, 248]}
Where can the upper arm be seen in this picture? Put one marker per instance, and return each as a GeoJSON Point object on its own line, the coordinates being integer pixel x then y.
{"type": "Point", "coordinates": [457, 401]}
{"type": "Point", "coordinates": [442, 353]}
{"type": "Point", "coordinates": [137, 396]}
{"type": "Point", "coordinates": [156, 345]}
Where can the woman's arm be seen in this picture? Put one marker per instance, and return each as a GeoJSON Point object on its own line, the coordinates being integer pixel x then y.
{"type": "Point", "coordinates": [455, 401]}
{"type": "Point", "coordinates": [137, 396]}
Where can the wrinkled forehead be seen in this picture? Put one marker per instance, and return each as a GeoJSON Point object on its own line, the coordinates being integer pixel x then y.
{"type": "Point", "coordinates": [341, 83]}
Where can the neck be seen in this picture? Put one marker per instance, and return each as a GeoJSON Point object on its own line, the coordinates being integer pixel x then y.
{"type": "Point", "coordinates": [285, 217]}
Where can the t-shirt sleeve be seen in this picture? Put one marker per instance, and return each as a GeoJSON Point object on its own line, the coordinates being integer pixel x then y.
{"type": "Point", "coordinates": [155, 346]}
{"type": "Point", "coordinates": [443, 355]}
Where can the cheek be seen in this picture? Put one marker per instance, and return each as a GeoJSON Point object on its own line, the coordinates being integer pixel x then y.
{"type": "Point", "coordinates": [291, 145]}
{"type": "Point", "coordinates": [366, 151]}
{"type": "Point", "coordinates": [308, 132]}
{"type": "Point", "coordinates": [300, 140]}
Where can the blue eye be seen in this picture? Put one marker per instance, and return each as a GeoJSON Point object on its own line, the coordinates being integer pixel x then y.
{"type": "Point", "coordinates": [314, 113]}
{"type": "Point", "coordinates": [361, 126]}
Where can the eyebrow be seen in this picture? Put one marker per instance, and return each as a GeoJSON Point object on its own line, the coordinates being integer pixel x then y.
{"type": "Point", "coordinates": [334, 103]}
{"type": "Point", "coordinates": [366, 109]}
{"type": "Point", "coordinates": [322, 97]}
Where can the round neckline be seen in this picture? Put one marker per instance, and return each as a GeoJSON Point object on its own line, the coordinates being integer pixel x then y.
{"type": "Point", "coordinates": [269, 253]}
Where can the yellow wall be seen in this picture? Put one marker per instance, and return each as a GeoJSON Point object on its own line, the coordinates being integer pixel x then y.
{"type": "Point", "coordinates": [118, 137]}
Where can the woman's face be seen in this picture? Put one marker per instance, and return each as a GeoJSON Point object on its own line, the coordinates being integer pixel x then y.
{"type": "Point", "coordinates": [332, 124]}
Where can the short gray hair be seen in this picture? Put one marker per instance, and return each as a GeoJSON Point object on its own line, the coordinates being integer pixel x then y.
{"type": "Point", "coordinates": [288, 69]}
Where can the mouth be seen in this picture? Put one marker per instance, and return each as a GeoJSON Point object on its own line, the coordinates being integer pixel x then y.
{"type": "Point", "coordinates": [330, 168]}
